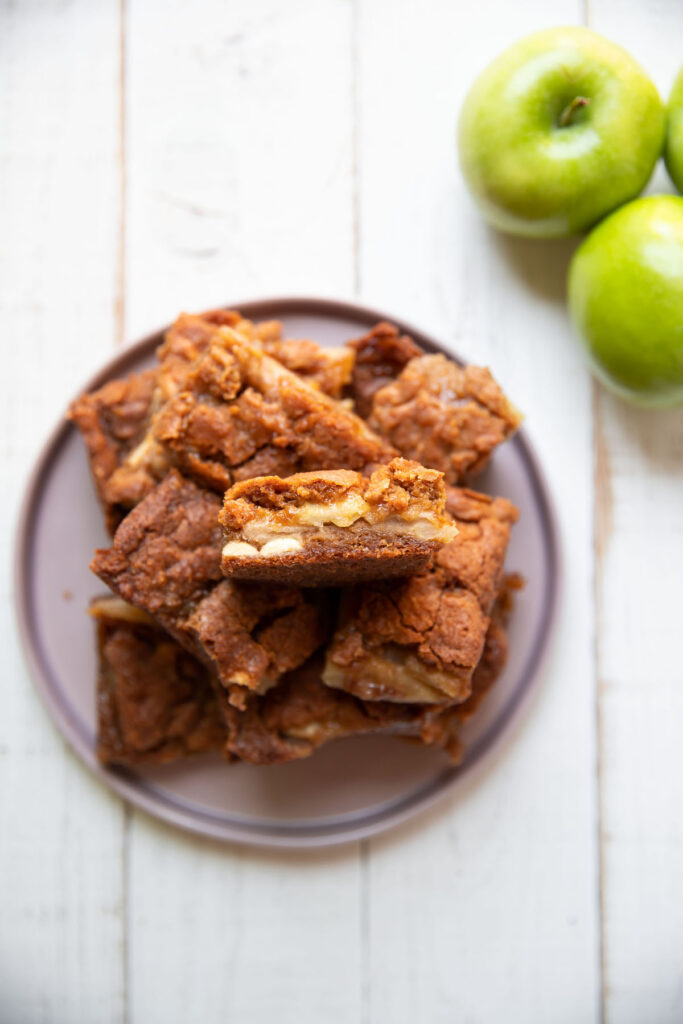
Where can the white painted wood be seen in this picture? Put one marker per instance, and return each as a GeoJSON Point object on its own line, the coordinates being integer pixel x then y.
{"type": "Point", "coordinates": [641, 680]}
{"type": "Point", "coordinates": [241, 157]}
{"type": "Point", "coordinates": [61, 924]}
{"type": "Point", "coordinates": [221, 934]}
{"type": "Point", "coordinates": [239, 153]}
{"type": "Point", "coordinates": [489, 911]}
{"type": "Point", "coordinates": [239, 161]}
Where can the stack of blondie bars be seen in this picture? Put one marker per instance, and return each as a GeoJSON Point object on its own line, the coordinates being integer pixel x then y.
{"type": "Point", "coordinates": [295, 556]}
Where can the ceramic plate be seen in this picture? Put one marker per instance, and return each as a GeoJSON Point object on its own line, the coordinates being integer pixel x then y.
{"type": "Point", "coordinates": [345, 791]}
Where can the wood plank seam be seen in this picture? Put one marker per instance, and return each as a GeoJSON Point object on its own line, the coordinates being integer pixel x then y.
{"type": "Point", "coordinates": [120, 290]}
{"type": "Point", "coordinates": [355, 128]}
{"type": "Point", "coordinates": [601, 528]}
{"type": "Point", "coordinates": [125, 884]}
{"type": "Point", "coordinates": [365, 944]}
{"type": "Point", "coordinates": [364, 848]}
{"type": "Point", "coordinates": [602, 525]}
{"type": "Point", "coordinates": [119, 340]}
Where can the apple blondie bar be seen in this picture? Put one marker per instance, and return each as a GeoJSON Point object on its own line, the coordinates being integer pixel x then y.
{"type": "Point", "coordinates": [335, 527]}
{"type": "Point", "coordinates": [116, 419]}
{"type": "Point", "coordinates": [420, 639]}
{"type": "Point", "coordinates": [165, 559]}
{"type": "Point", "coordinates": [155, 702]}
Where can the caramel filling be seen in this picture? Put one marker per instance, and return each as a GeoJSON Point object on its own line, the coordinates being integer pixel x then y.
{"type": "Point", "coordinates": [270, 534]}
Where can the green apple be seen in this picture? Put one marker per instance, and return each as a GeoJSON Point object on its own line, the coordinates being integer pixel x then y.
{"type": "Point", "coordinates": [673, 153]}
{"type": "Point", "coordinates": [558, 131]}
{"type": "Point", "coordinates": [626, 300]}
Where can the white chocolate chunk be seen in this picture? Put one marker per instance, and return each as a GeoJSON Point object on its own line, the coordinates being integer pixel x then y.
{"type": "Point", "coordinates": [276, 546]}
{"type": "Point", "coordinates": [281, 546]}
{"type": "Point", "coordinates": [340, 513]}
{"type": "Point", "coordinates": [238, 549]}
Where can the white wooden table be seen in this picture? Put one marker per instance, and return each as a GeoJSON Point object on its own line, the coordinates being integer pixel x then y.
{"type": "Point", "coordinates": [160, 156]}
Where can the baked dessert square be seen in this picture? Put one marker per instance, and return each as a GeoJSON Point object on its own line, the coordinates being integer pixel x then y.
{"type": "Point", "coordinates": [443, 415]}
{"type": "Point", "coordinates": [301, 713]}
{"type": "Point", "coordinates": [328, 369]}
{"type": "Point", "coordinates": [335, 527]}
{"type": "Point", "coordinates": [132, 470]}
{"type": "Point", "coordinates": [155, 702]}
{"type": "Point", "coordinates": [420, 639]}
{"type": "Point", "coordinates": [165, 559]}
{"type": "Point", "coordinates": [242, 414]}
{"type": "Point", "coordinates": [116, 420]}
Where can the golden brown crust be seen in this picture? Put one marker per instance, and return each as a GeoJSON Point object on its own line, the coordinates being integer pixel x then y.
{"type": "Point", "coordinates": [188, 338]}
{"type": "Point", "coordinates": [237, 401]}
{"type": "Point", "coordinates": [111, 421]}
{"type": "Point", "coordinates": [155, 702]}
{"type": "Point", "coordinates": [400, 487]}
{"type": "Point", "coordinates": [421, 639]}
{"type": "Point", "coordinates": [328, 369]}
{"type": "Point", "coordinates": [476, 556]}
{"type": "Point", "coordinates": [276, 493]}
{"type": "Point", "coordinates": [147, 463]}
{"type": "Point", "coordinates": [443, 415]}
{"type": "Point", "coordinates": [301, 714]}
{"type": "Point", "coordinates": [131, 470]}
{"type": "Point", "coordinates": [165, 559]}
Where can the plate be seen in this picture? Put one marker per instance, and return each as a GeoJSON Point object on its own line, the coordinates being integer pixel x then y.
{"type": "Point", "coordinates": [347, 790]}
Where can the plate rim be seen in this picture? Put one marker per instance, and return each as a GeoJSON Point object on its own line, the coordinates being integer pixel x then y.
{"type": "Point", "coordinates": [295, 834]}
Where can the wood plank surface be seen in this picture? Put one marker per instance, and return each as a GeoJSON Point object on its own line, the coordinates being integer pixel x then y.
{"type": "Point", "coordinates": [639, 462]}
{"type": "Point", "coordinates": [61, 920]}
{"type": "Point", "coordinates": [155, 157]}
{"type": "Point", "coordinates": [488, 911]}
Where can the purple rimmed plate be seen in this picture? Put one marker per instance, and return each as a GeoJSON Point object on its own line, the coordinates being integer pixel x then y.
{"type": "Point", "coordinates": [347, 790]}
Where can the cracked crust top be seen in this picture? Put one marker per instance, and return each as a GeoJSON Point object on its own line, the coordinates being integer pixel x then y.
{"type": "Point", "coordinates": [240, 409]}
{"type": "Point", "coordinates": [444, 416]}
{"type": "Point", "coordinates": [116, 420]}
{"type": "Point", "coordinates": [301, 714]}
{"type": "Point", "coordinates": [157, 703]}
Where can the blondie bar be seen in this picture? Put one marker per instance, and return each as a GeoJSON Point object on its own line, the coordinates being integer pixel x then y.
{"type": "Point", "coordinates": [420, 639]}
{"type": "Point", "coordinates": [155, 702]}
{"type": "Point", "coordinates": [242, 414]}
{"type": "Point", "coordinates": [165, 559]}
{"type": "Point", "coordinates": [335, 527]}
{"type": "Point", "coordinates": [443, 415]}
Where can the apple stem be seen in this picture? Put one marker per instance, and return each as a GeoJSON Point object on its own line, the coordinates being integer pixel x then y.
{"type": "Point", "coordinates": [571, 108]}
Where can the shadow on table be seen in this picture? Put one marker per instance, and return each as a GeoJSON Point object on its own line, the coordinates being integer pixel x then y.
{"type": "Point", "coordinates": [657, 434]}
{"type": "Point", "coordinates": [541, 265]}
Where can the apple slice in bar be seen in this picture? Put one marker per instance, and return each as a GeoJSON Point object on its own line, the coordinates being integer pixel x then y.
{"type": "Point", "coordinates": [335, 527]}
